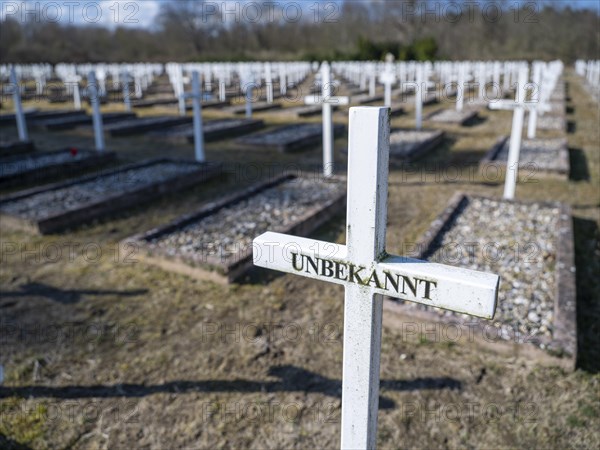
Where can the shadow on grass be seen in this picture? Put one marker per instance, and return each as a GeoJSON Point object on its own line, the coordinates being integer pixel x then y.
{"type": "Point", "coordinates": [8, 444]}
{"type": "Point", "coordinates": [63, 296]}
{"type": "Point", "coordinates": [587, 261]}
{"type": "Point", "coordinates": [579, 167]}
{"type": "Point", "coordinates": [291, 379]}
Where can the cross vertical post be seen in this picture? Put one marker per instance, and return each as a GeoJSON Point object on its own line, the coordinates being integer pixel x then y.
{"type": "Point", "coordinates": [197, 102]}
{"type": "Point", "coordinates": [126, 94]}
{"type": "Point", "coordinates": [96, 117]}
{"type": "Point", "coordinates": [535, 97]}
{"type": "Point", "coordinates": [19, 115]}
{"type": "Point", "coordinates": [419, 98]}
{"type": "Point", "coordinates": [326, 100]}
{"type": "Point", "coordinates": [327, 121]}
{"type": "Point", "coordinates": [368, 155]}
{"type": "Point", "coordinates": [460, 88]}
{"type": "Point", "coordinates": [512, 165]}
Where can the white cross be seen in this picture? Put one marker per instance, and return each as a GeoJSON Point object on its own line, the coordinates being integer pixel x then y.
{"type": "Point", "coordinates": [388, 78]}
{"type": "Point", "coordinates": [419, 97]}
{"type": "Point", "coordinates": [368, 273]}
{"type": "Point", "coordinates": [326, 100]}
{"type": "Point", "coordinates": [126, 94]}
{"type": "Point", "coordinates": [196, 96]}
{"type": "Point", "coordinates": [519, 105]}
{"type": "Point", "coordinates": [269, 82]}
{"type": "Point", "coordinates": [74, 80]}
{"type": "Point", "coordinates": [19, 115]}
{"type": "Point", "coordinates": [248, 85]}
{"type": "Point", "coordinates": [94, 96]}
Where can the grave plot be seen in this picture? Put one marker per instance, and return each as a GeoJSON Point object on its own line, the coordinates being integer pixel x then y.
{"type": "Point", "coordinates": [40, 166]}
{"type": "Point", "coordinates": [288, 138]}
{"type": "Point", "coordinates": [552, 123]}
{"type": "Point", "coordinates": [365, 99]}
{"type": "Point", "coordinates": [256, 107]}
{"type": "Point", "coordinates": [149, 103]}
{"type": "Point", "coordinates": [76, 121]}
{"type": "Point", "coordinates": [9, 148]}
{"type": "Point", "coordinates": [144, 124]}
{"type": "Point", "coordinates": [428, 99]}
{"type": "Point", "coordinates": [41, 117]}
{"type": "Point", "coordinates": [64, 205]}
{"type": "Point", "coordinates": [215, 242]}
{"type": "Point", "coordinates": [452, 116]}
{"type": "Point", "coordinates": [412, 144]}
{"type": "Point", "coordinates": [537, 156]}
{"type": "Point", "coordinates": [303, 111]}
{"type": "Point", "coordinates": [530, 246]}
{"type": "Point", "coordinates": [213, 130]}
{"type": "Point", "coordinates": [10, 119]}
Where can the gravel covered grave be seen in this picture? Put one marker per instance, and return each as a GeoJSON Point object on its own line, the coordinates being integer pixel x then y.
{"type": "Point", "coordinates": [404, 143]}
{"type": "Point", "coordinates": [231, 229]}
{"type": "Point", "coordinates": [544, 154]}
{"type": "Point", "coordinates": [556, 123]}
{"type": "Point", "coordinates": [53, 202]}
{"type": "Point", "coordinates": [517, 242]}
{"type": "Point", "coordinates": [453, 116]}
{"type": "Point", "coordinates": [31, 162]}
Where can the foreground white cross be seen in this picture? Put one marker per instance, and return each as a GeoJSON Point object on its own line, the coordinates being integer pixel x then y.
{"type": "Point", "coordinates": [326, 100]}
{"type": "Point", "coordinates": [368, 273]}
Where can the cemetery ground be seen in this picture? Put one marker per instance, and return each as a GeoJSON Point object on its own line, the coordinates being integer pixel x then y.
{"type": "Point", "coordinates": [101, 351]}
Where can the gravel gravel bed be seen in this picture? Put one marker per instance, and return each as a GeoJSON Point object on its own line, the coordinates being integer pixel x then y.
{"type": "Point", "coordinates": [39, 161]}
{"type": "Point", "coordinates": [49, 203]}
{"type": "Point", "coordinates": [551, 123]}
{"type": "Point", "coordinates": [517, 242]}
{"type": "Point", "coordinates": [144, 121]}
{"type": "Point", "coordinates": [452, 116]}
{"type": "Point", "coordinates": [231, 229]}
{"type": "Point", "coordinates": [545, 154]}
{"type": "Point", "coordinates": [284, 135]}
{"type": "Point", "coordinates": [210, 126]}
{"type": "Point", "coordinates": [404, 142]}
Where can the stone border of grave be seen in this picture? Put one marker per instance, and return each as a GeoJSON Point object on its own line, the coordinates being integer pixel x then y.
{"type": "Point", "coordinates": [108, 205]}
{"type": "Point", "coordinates": [215, 269]}
{"type": "Point", "coordinates": [490, 160]}
{"type": "Point", "coordinates": [563, 346]}
{"type": "Point", "coordinates": [16, 148]}
{"type": "Point", "coordinates": [44, 173]}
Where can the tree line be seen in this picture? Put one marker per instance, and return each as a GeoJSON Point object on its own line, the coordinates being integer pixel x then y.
{"type": "Point", "coordinates": [194, 31]}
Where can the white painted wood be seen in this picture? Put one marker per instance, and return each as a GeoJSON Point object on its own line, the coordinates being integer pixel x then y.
{"type": "Point", "coordinates": [368, 273]}
{"type": "Point", "coordinates": [512, 165]}
{"type": "Point", "coordinates": [94, 95]}
{"type": "Point", "coordinates": [535, 98]}
{"type": "Point", "coordinates": [126, 94]}
{"type": "Point", "coordinates": [419, 98]}
{"type": "Point", "coordinates": [327, 100]}
{"type": "Point", "coordinates": [19, 115]}
{"type": "Point", "coordinates": [197, 102]}
{"type": "Point", "coordinates": [73, 81]}
{"type": "Point", "coordinates": [460, 88]}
